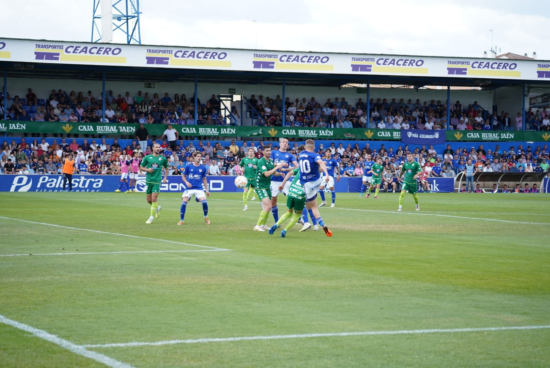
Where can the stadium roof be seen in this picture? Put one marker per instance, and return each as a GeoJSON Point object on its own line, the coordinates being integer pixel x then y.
{"type": "Point", "coordinates": [268, 69]}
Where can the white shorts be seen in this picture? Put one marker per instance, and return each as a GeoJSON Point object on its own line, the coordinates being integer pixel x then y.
{"type": "Point", "coordinates": [312, 188]}
{"type": "Point", "coordinates": [275, 188]}
{"type": "Point", "coordinates": [367, 179]}
{"type": "Point", "coordinates": [133, 176]}
{"type": "Point", "coordinates": [198, 193]}
{"type": "Point", "coordinates": [330, 183]}
{"type": "Point", "coordinates": [123, 176]}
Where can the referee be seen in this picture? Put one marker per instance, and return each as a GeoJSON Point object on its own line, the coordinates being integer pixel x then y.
{"type": "Point", "coordinates": [68, 171]}
{"type": "Point", "coordinates": [171, 135]}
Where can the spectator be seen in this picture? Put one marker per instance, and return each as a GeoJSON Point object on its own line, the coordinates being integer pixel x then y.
{"type": "Point", "coordinates": [214, 169]}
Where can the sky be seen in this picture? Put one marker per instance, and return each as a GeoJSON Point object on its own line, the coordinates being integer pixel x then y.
{"type": "Point", "coordinates": [420, 27]}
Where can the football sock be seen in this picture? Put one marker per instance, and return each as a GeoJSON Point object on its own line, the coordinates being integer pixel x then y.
{"type": "Point", "coordinates": [120, 185]}
{"type": "Point", "coordinates": [313, 221]}
{"type": "Point", "coordinates": [362, 189]}
{"type": "Point", "coordinates": [294, 219]}
{"type": "Point", "coordinates": [415, 196]}
{"type": "Point", "coordinates": [304, 216]}
{"type": "Point", "coordinates": [376, 193]}
{"type": "Point", "coordinates": [283, 218]}
{"type": "Point", "coordinates": [154, 207]}
{"type": "Point", "coordinates": [333, 197]}
{"type": "Point", "coordinates": [263, 218]}
{"type": "Point", "coordinates": [322, 194]}
{"type": "Point", "coordinates": [250, 193]}
{"type": "Point", "coordinates": [275, 212]}
{"type": "Point", "coordinates": [182, 210]}
{"type": "Point", "coordinates": [204, 207]}
{"type": "Point", "coordinates": [245, 198]}
{"type": "Point", "coordinates": [401, 197]}
{"type": "Point", "coordinates": [320, 221]}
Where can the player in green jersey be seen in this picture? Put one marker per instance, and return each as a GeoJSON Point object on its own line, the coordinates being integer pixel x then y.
{"type": "Point", "coordinates": [295, 202]}
{"type": "Point", "coordinates": [266, 169]}
{"type": "Point", "coordinates": [412, 170]}
{"type": "Point", "coordinates": [376, 170]}
{"type": "Point", "coordinates": [250, 164]}
{"type": "Point", "coordinates": [153, 165]}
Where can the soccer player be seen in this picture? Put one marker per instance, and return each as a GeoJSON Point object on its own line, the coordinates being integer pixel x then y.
{"type": "Point", "coordinates": [296, 201]}
{"type": "Point", "coordinates": [266, 169]}
{"type": "Point", "coordinates": [310, 166]}
{"type": "Point", "coordinates": [68, 171]}
{"type": "Point", "coordinates": [331, 165]}
{"type": "Point", "coordinates": [367, 176]}
{"type": "Point", "coordinates": [376, 178]}
{"type": "Point", "coordinates": [282, 155]}
{"type": "Point", "coordinates": [124, 168]}
{"type": "Point", "coordinates": [250, 164]}
{"type": "Point", "coordinates": [153, 164]}
{"type": "Point", "coordinates": [194, 178]}
{"type": "Point", "coordinates": [412, 170]}
{"type": "Point", "coordinates": [134, 171]}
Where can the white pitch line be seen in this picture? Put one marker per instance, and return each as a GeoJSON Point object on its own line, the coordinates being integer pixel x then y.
{"type": "Point", "coordinates": [304, 336]}
{"type": "Point", "coordinates": [420, 214]}
{"type": "Point", "coordinates": [121, 252]}
{"type": "Point", "coordinates": [116, 234]}
{"type": "Point", "coordinates": [77, 349]}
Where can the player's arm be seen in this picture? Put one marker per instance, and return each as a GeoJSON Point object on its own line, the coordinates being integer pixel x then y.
{"type": "Point", "coordinates": [337, 168]}
{"type": "Point", "coordinates": [287, 176]}
{"type": "Point", "coordinates": [143, 168]}
{"type": "Point", "coordinates": [184, 178]}
{"type": "Point", "coordinates": [205, 184]}
{"type": "Point", "coordinates": [323, 168]}
{"type": "Point", "coordinates": [274, 170]}
{"type": "Point", "coordinates": [166, 171]}
{"type": "Point", "coordinates": [290, 168]}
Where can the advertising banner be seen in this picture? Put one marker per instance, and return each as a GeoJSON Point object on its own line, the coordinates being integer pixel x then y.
{"type": "Point", "coordinates": [421, 137]}
{"type": "Point", "coordinates": [437, 185]}
{"type": "Point", "coordinates": [177, 57]}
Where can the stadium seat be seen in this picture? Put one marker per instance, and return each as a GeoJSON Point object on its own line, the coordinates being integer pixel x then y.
{"type": "Point", "coordinates": [23, 101]}
{"type": "Point", "coordinates": [41, 102]}
{"type": "Point", "coordinates": [26, 108]}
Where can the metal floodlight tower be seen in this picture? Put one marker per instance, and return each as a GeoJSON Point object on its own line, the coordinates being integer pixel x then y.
{"type": "Point", "coordinates": [125, 17]}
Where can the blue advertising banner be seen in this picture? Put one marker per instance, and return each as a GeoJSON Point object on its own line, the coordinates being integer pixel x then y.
{"type": "Point", "coordinates": [225, 184]}
{"type": "Point", "coordinates": [423, 137]}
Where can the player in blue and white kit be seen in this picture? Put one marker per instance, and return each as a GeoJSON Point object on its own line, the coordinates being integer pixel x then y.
{"type": "Point", "coordinates": [311, 166]}
{"type": "Point", "coordinates": [194, 178]}
{"type": "Point", "coordinates": [282, 155]}
{"type": "Point", "coordinates": [367, 176]}
{"type": "Point", "coordinates": [332, 165]}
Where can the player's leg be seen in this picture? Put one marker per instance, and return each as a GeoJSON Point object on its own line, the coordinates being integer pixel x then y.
{"type": "Point", "coordinates": [245, 197]}
{"type": "Point", "coordinates": [70, 177]}
{"type": "Point", "coordinates": [202, 199]}
{"type": "Point", "coordinates": [251, 193]}
{"type": "Point", "coordinates": [285, 216]}
{"type": "Point", "coordinates": [264, 195]}
{"type": "Point", "coordinates": [414, 192]}
{"type": "Point", "coordinates": [401, 197]}
{"type": "Point", "coordinates": [332, 191]}
{"type": "Point", "coordinates": [369, 186]}
{"type": "Point", "coordinates": [377, 190]}
{"type": "Point", "coordinates": [298, 206]}
{"type": "Point", "coordinates": [322, 193]}
{"type": "Point", "coordinates": [152, 201]}
{"type": "Point", "coordinates": [64, 181]}
{"type": "Point", "coordinates": [275, 193]}
{"type": "Point", "coordinates": [363, 185]}
{"type": "Point", "coordinates": [311, 190]}
{"type": "Point", "coordinates": [184, 200]}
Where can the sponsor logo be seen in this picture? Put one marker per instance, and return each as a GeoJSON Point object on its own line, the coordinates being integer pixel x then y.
{"type": "Point", "coordinates": [272, 132]}
{"type": "Point", "coordinates": [54, 183]}
{"type": "Point", "coordinates": [423, 135]}
{"type": "Point", "coordinates": [543, 71]}
{"type": "Point", "coordinates": [4, 54]}
{"type": "Point", "coordinates": [67, 128]}
{"type": "Point", "coordinates": [190, 57]}
{"type": "Point", "coordinates": [388, 65]}
{"type": "Point", "coordinates": [483, 68]}
{"type": "Point", "coordinates": [546, 136]}
{"type": "Point", "coordinates": [78, 53]}
{"type": "Point", "coordinates": [369, 134]}
{"type": "Point", "coordinates": [458, 135]}
{"type": "Point", "coordinates": [292, 62]}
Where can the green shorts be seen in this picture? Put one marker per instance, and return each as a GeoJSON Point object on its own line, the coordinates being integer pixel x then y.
{"type": "Point", "coordinates": [376, 181]}
{"type": "Point", "coordinates": [263, 193]}
{"type": "Point", "coordinates": [410, 187]}
{"type": "Point", "coordinates": [295, 204]}
{"type": "Point", "coordinates": [153, 188]}
{"type": "Point", "coordinates": [251, 183]}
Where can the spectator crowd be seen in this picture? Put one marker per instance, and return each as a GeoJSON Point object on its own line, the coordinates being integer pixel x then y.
{"type": "Point", "coordinates": [99, 157]}
{"type": "Point", "coordinates": [148, 108]}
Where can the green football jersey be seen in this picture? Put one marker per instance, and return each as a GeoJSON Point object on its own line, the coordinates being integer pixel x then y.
{"type": "Point", "coordinates": [296, 190]}
{"type": "Point", "coordinates": [410, 170]}
{"type": "Point", "coordinates": [249, 170]}
{"type": "Point", "coordinates": [157, 163]}
{"type": "Point", "coordinates": [262, 181]}
{"type": "Point", "coordinates": [378, 169]}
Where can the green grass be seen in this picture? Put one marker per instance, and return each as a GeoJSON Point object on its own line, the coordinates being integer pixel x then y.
{"type": "Point", "coordinates": [446, 267]}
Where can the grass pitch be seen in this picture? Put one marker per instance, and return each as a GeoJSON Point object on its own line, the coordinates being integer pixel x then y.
{"type": "Point", "coordinates": [464, 261]}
